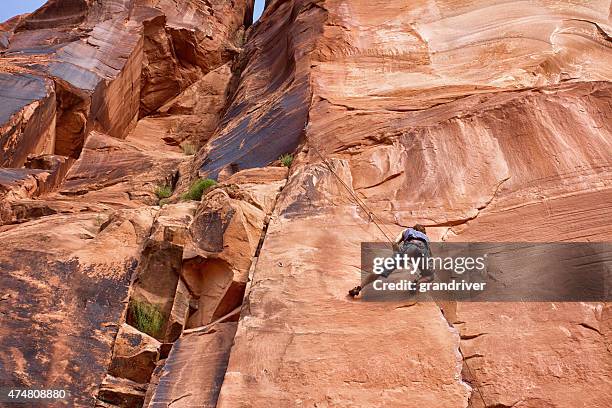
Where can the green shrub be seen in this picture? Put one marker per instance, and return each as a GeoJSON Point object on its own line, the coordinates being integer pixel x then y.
{"type": "Point", "coordinates": [188, 149]}
{"type": "Point", "coordinates": [146, 317]}
{"type": "Point", "coordinates": [286, 160]}
{"type": "Point", "coordinates": [163, 191]}
{"type": "Point", "coordinates": [197, 189]}
{"type": "Point", "coordinates": [98, 221]}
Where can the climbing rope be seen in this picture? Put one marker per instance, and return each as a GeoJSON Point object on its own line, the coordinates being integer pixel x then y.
{"type": "Point", "coordinates": [473, 377]}
{"type": "Point", "coordinates": [359, 201]}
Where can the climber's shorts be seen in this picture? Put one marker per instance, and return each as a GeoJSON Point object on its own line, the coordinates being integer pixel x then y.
{"type": "Point", "coordinates": [414, 249]}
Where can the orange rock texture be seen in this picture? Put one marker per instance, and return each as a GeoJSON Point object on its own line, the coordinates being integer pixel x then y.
{"type": "Point", "coordinates": [157, 251]}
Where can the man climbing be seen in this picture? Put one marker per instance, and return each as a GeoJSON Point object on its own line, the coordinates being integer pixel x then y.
{"type": "Point", "coordinates": [415, 244]}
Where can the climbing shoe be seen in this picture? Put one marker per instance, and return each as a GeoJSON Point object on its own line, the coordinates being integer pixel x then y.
{"type": "Point", "coordinates": [355, 291]}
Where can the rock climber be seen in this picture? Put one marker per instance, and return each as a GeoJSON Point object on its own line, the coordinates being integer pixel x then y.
{"type": "Point", "coordinates": [412, 242]}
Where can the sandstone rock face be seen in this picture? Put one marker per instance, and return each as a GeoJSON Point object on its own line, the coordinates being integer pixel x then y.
{"type": "Point", "coordinates": [556, 350]}
{"type": "Point", "coordinates": [194, 370]}
{"type": "Point", "coordinates": [120, 172]}
{"type": "Point", "coordinates": [63, 280]}
{"type": "Point", "coordinates": [27, 116]}
{"type": "Point", "coordinates": [81, 179]}
{"type": "Point", "coordinates": [195, 113]}
{"type": "Point", "coordinates": [119, 392]}
{"type": "Point", "coordinates": [275, 63]}
{"type": "Point", "coordinates": [226, 232]}
{"type": "Point", "coordinates": [134, 355]}
{"type": "Point", "coordinates": [185, 40]}
{"type": "Point", "coordinates": [483, 120]}
{"type": "Point", "coordinates": [317, 346]}
{"type": "Point", "coordinates": [101, 65]}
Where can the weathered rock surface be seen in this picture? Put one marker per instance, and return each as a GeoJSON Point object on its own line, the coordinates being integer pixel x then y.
{"type": "Point", "coordinates": [482, 120]}
{"type": "Point", "coordinates": [226, 232]}
{"type": "Point", "coordinates": [120, 392]}
{"type": "Point", "coordinates": [120, 172]}
{"type": "Point", "coordinates": [134, 355]}
{"type": "Point", "coordinates": [275, 63]}
{"type": "Point", "coordinates": [194, 370]}
{"type": "Point", "coordinates": [80, 180]}
{"type": "Point", "coordinates": [101, 65]}
{"type": "Point", "coordinates": [536, 354]}
{"type": "Point", "coordinates": [185, 40]}
{"type": "Point", "coordinates": [27, 117]}
{"type": "Point", "coordinates": [303, 343]}
{"type": "Point", "coordinates": [158, 281]}
{"type": "Point", "coordinates": [63, 281]}
{"type": "Point", "coordinates": [195, 113]}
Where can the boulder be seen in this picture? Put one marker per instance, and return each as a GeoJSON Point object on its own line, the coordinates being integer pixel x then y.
{"type": "Point", "coordinates": [119, 392]}
{"type": "Point", "coordinates": [226, 233]}
{"type": "Point", "coordinates": [135, 355]}
{"type": "Point", "coordinates": [27, 117]}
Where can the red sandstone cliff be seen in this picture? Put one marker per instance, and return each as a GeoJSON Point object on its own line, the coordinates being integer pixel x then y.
{"type": "Point", "coordinates": [483, 120]}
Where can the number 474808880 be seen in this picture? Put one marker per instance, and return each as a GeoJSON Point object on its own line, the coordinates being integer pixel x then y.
{"type": "Point", "coordinates": [17, 394]}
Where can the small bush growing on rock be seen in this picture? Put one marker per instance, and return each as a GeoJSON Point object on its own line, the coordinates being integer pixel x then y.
{"type": "Point", "coordinates": [163, 191]}
{"type": "Point", "coordinates": [146, 317]}
{"type": "Point", "coordinates": [286, 160]}
{"type": "Point", "coordinates": [188, 149]}
{"type": "Point", "coordinates": [197, 189]}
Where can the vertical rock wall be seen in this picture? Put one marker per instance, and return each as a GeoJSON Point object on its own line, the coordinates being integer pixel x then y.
{"type": "Point", "coordinates": [483, 120]}
{"type": "Point", "coordinates": [269, 110]}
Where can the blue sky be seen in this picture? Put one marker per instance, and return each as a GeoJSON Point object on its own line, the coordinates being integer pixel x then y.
{"type": "Point", "coordinates": [259, 6]}
{"type": "Point", "coordinates": [10, 8]}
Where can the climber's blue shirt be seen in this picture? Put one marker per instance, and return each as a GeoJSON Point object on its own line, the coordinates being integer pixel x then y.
{"type": "Point", "coordinates": [411, 233]}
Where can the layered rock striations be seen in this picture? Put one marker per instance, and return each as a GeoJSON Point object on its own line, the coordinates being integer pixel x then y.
{"type": "Point", "coordinates": [482, 120]}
